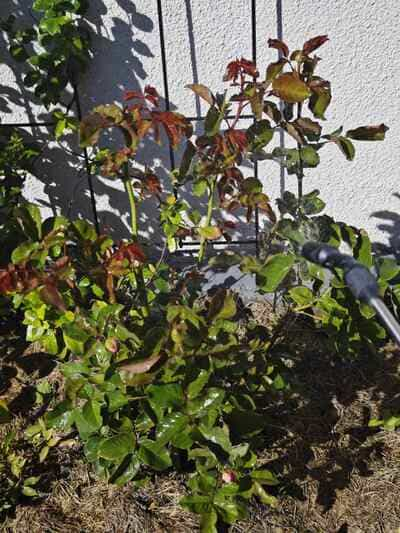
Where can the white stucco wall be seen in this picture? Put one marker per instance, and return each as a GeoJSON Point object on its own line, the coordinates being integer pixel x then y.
{"type": "Point", "coordinates": [362, 59]}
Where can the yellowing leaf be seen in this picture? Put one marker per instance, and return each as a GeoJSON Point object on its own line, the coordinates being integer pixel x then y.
{"type": "Point", "coordinates": [290, 88]}
{"type": "Point", "coordinates": [202, 91]}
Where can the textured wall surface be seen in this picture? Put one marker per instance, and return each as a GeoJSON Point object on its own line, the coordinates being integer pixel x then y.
{"type": "Point", "coordinates": [361, 59]}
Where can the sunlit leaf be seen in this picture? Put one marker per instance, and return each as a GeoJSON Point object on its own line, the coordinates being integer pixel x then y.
{"type": "Point", "coordinates": [274, 272]}
{"type": "Point", "coordinates": [314, 43]}
{"type": "Point", "coordinates": [346, 147]}
{"type": "Point", "coordinates": [368, 133]}
{"type": "Point", "coordinates": [279, 45]}
{"type": "Point", "coordinates": [274, 69]}
{"type": "Point", "coordinates": [290, 88]}
{"type": "Point", "coordinates": [202, 91]}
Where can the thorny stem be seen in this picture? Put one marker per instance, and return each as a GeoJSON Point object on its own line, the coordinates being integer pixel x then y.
{"type": "Point", "coordinates": [203, 240]}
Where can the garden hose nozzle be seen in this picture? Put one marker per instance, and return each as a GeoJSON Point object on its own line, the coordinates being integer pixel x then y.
{"type": "Point", "coordinates": [358, 278]}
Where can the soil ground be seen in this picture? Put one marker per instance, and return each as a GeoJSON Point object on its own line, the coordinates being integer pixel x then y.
{"type": "Point", "coordinates": [337, 474]}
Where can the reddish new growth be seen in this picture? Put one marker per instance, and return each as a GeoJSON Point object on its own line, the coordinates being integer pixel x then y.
{"type": "Point", "coordinates": [239, 69]}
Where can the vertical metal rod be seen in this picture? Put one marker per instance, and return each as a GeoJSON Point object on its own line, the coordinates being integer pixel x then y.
{"type": "Point", "coordinates": [279, 33]}
{"type": "Point", "coordinates": [195, 74]}
{"type": "Point", "coordinates": [87, 164]}
{"type": "Point", "coordinates": [254, 58]}
{"type": "Point", "coordinates": [165, 74]}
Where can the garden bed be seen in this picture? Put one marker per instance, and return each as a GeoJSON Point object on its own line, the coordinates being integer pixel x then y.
{"type": "Point", "coordinates": [336, 474]}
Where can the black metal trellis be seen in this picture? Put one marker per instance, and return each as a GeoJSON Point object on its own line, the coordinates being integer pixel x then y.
{"type": "Point", "coordinates": [76, 101]}
{"type": "Point", "coordinates": [200, 118]}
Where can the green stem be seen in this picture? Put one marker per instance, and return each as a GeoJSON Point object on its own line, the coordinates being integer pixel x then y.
{"type": "Point", "coordinates": [203, 240]}
{"type": "Point", "coordinates": [132, 205]}
{"type": "Point", "coordinates": [134, 233]}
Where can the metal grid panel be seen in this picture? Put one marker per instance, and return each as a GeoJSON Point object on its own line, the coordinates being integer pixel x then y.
{"type": "Point", "coordinates": [76, 101]}
{"type": "Point", "coordinates": [199, 118]}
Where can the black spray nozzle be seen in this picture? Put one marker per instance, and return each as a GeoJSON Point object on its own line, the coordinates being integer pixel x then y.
{"type": "Point", "coordinates": [358, 278]}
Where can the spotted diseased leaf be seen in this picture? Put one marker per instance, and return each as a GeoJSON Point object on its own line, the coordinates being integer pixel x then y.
{"type": "Point", "coordinates": [202, 91]}
{"type": "Point", "coordinates": [18, 278]}
{"type": "Point", "coordinates": [368, 133]}
{"type": "Point", "coordinates": [294, 132]}
{"type": "Point", "coordinates": [290, 88]}
{"type": "Point", "coordinates": [6, 282]}
{"type": "Point", "coordinates": [309, 128]}
{"type": "Point", "coordinates": [90, 129]}
{"type": "Point", "coordinates": [280, 46]}
{"type": "Point", "coordinates": [314, 43]}
{"type": "Point", "coordinates": [240, 68]}
{"type": "Point", "coordinates": [320, 98]}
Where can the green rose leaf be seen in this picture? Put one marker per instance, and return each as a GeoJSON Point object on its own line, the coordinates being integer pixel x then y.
{"type": "Point", "coordinates": [309, 156]}
{"type": "Point", "coordinates": [162, 396]}
{"type": "Point", "coordinates": [22, 252]}
{"type": "Point", "coordinates": [274, 272]}
{"type": "Point", "coordinates": [116, 448]}
{"type": "Point", "coordinates": [153, 454]}
{"type": "Point", "coordinates": [75, 338]}
{"type": "Point", "coordinates": [346, 147]}
{"type": "Point", "coordinates": [88, 420]}
{"type": "Point", "coordinates": [216, 435]}
{"type": "Point", "coordinates": [208, 522]}
{"type": "Point", "coordinates": [213, 121]}
{"type": "Point", "coordinates": [259, 135]}
{"type": "Point", "coordinates": [170, 426]}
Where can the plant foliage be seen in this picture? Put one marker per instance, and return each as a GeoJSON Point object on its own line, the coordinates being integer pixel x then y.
{"type": "Point", "coordinates": [157, 374]}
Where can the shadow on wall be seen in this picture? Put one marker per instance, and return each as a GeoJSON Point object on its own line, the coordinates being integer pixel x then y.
{"type": "Point", "coordinates": [61, 174]}
{"type": "Point", "coordinates": [390, 226]}
{"type": "Point", "coordinates": [118, 63]}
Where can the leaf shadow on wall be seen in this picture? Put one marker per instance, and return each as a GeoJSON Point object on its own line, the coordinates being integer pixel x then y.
{"type": "Point", "coordinates": [390, 227]}
{"type": "Point", "coordinates": [119, 63]}
{"type": "Point", "coordinates": [60, 181]}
